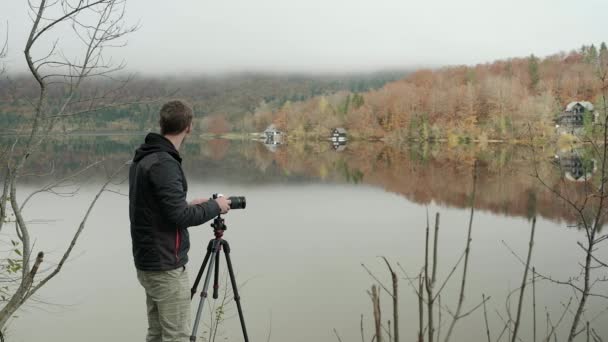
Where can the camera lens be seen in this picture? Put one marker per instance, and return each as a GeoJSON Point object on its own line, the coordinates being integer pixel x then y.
{"type": "Point", "coordinates": [237, 202]}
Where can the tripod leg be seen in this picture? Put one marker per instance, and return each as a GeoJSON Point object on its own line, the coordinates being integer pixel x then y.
{"type": "Point", "coordinates": [237, 298]}
{"type": "Point", "coordinates": [202, 269]}
{"type": "Point", "coordinates": [201, 304]}
{"type": "Point", "coordinates": [216, 283]}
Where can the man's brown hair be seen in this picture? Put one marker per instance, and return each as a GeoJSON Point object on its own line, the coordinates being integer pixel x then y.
{"type": "Point", "coordinates": [175, 117]}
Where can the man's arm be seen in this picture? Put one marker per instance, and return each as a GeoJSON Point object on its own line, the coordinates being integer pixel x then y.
{"type": "Point", "coordinates": [166, 179]}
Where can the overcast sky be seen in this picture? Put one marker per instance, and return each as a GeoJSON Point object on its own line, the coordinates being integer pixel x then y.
{"type": "Point", "coordinates": [182, 36]}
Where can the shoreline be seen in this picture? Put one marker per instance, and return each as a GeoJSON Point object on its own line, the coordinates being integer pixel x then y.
{"type": "Point", "coordinates": [258, 136]}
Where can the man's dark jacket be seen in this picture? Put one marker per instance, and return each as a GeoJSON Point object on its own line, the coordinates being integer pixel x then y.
{"type": "Point", "coordinates": [159, 213]}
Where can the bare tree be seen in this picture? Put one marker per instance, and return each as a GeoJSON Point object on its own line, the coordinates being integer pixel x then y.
{"type": "Point", "coordinates": [431, 279]}
{"type": "Point", "coordinates": [427, 281]}
{"type": "Point", "coordinates": [590, 212]}
{"type": "Point", "coordinates": [375, 296]}
{"type": "Point", "coordinates": [458, 314]}
{"type": "Point", "coordinates": [524, 282]}
{"type": "Point", "coordinates": [98, 25]}
{"type": "Point", "coordinates": [593, 226]}
{"type": "Point", "coordinates": [3, 49]}
{"type": "Point", "coordinates": [3, 153]}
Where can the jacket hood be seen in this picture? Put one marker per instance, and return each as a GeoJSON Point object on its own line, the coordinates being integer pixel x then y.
{"type": "Point", "coordinates": [155, 143]}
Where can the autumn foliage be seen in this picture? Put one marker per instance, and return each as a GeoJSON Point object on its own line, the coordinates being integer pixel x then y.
{"type": "Point", "coordinates": [218, 125]}
{"type": "Point", "coordinates": [507, 99]}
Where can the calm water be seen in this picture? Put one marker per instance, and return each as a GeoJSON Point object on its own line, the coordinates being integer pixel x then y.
{"type": "Point", "coordinates": [313, 216]}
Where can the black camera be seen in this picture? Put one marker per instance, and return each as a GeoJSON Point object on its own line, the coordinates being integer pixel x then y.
{"type": "Point", "coordinates": [236, 202]}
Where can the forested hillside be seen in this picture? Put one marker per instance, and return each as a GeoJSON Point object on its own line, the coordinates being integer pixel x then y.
{"type": "Point", "coordinates": [506, 99]}
{"type": "Point", "coordinates": [222, 103]}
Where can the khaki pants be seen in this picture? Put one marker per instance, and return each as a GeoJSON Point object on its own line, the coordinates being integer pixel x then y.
{"type": "Point", "coordinates": [168, 302]}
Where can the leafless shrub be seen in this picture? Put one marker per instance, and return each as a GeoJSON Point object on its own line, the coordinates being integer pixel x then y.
{"type": "Point", "coordinates": [98, 25]}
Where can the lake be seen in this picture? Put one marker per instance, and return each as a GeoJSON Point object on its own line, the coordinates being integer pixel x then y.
{"type": "Point", "coordinates": [314, 215]}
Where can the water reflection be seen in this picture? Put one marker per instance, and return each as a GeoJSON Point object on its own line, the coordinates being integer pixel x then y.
{"type": "Point", "coordinates": [576, 165]}
{"type": "Point", "coordinates": [339, 146]}
{"type": "Point", "coordinates": [423, 174]}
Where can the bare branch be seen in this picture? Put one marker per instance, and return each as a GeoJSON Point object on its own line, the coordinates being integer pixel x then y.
{"type": "Point", "coordinates": [534, 304]}
{"type": "Point", "coordinates": [523, 282]}
{"type": "Point", "coordinates": [457, 315]}
{"type": "Point", "coordinates": [601, 263]}
{"type": "Point", "coordinates": [75, 237]}
{"type": "Point", "coordinates": [375, 295]}
{"type": "Point", "coordinates": [4, 50]}
{"type": "Point", "coordinates": [554, 327]}
{"type": "Point", "coordinates": [450, 274]}
{"type": "Point", "coordinates": [49, 187]}
{"type": "Point", "coordinates": [596, 336]}
{"type": "Point", "coordinates": [337, 335]}
{"type": "Point", "coordinates": [376, 279]}
{"type": "Point", "coordinates": [465, 314]}
{"type": "Point", "coordinates": [485, 315]}
{"type": "Point", "coordinates": [592, 229]}
{"type": "Point", "coordinates": [35, 34]}
{"type": "Point", "coordinates": [269, 327]}
{"type": "Point", "coordinates": [22, 232]}
{"type": "Point", "coordinates": [4, 196]}
{"type": "Point", "coordinates": [361, 327]}
{"type": "Point", "coordinates": [409, 279]}
{"type": "Point", "coordinates": [420, 308]}
{"type": "Point", "coordinates": [395, 297]}
{"type": "Point", "coordinates": [431, 279]}
{"type": "Point", "coordinates": [21, 291]}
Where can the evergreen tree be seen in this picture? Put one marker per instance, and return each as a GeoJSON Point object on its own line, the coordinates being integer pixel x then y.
{"type": "Point", "coordinates": [345, 106]}
{"type": "Point", "coordinates": [604, 54]}
{"type": "Point", "coordinates": [533, 72]}
{"type": "Point", "coordinates": [591, 56]}
{"type": "Point", "coordinates": [357, 101]}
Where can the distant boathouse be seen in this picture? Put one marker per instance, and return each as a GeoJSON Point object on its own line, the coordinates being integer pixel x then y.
{"type": "Point", "coordinates": [273, 136]}
{"type": "Point", "coordinates": [338, 135]}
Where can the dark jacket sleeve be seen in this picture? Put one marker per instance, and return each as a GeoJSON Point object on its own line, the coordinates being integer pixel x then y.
{"type": "Point", "coordinates": [167, 182]}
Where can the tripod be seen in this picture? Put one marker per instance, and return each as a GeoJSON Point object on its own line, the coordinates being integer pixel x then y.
{"type": "Point", "coordinates": [212, 257]}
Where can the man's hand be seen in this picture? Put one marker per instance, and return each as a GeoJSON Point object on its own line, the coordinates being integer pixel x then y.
{"type": "Point", "coordinates": [198, 201]}
{"type": "Point", "coordinates": [224, 204]}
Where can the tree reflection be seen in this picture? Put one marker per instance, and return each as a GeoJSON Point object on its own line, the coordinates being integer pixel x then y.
{"type": "Point", "coordinates": [423, 173]}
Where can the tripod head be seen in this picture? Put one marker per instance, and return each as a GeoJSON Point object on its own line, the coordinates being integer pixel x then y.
{"type": "Point", "coordinates": [219, 226]}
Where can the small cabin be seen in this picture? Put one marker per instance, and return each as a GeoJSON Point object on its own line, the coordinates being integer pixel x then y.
{"type": "Point", "coordinates": [579, 107]}
{"type": "Point", "coordinates": [574, 113]}
{"type": "Point", "coordinates": [338, 135]}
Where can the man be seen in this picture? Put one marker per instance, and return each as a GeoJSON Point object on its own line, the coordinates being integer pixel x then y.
{"type": "Point", "coordinates": [160, 217]}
